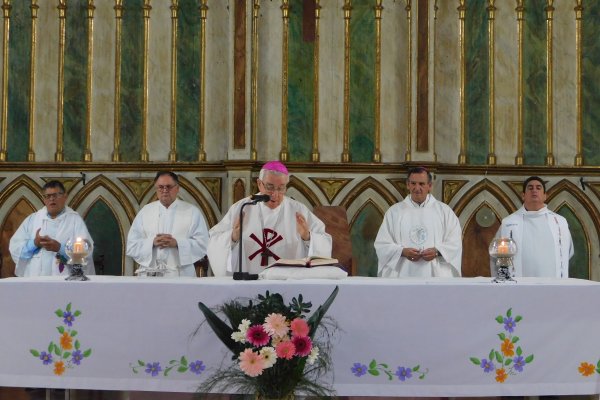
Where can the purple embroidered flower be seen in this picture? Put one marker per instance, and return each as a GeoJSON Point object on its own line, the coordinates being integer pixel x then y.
{"type": "Point", "coordinates": [487, 365]}
{"type": "Point", "coordinates": [197, 367]}
{"type": "Point", "coordinates": [77, 356]}
{"type": "Point", "coordinates": [46, 358]}
{"type": "Point", "coordinates": [519, 363]}
{"type": "Point", "coordinates": [153, 368]}
{"type": "Point", "coordinates": [68, 318]}
{"type": "Point", "coordinates": [509, 324]}
{"type": "Point", "coordinates": [403, 373]}
{"type": "Point", "coordinates": [359, 369]}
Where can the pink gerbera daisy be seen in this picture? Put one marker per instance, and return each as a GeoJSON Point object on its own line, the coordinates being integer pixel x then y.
{"type": "Point", "coordinates": [251, 363]}
{"type": "Point", "coordinates": [285, 350]}
{"type": "Point", "coordinates": [257, 335]}
{"type": "Point", "coordinates": [276, 325]}
{"type": "Point", "coordinates": [303, 345]}
{"type": "Point", "coordinates": [299, 327]}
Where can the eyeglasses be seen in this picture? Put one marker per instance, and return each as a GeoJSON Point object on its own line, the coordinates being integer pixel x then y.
{"type": "Point", "coordinates": [165, 188]}
{"type": "Point", "coordinates": [52, 196]}
{"type": "Point", "coordinates": [269, 187]}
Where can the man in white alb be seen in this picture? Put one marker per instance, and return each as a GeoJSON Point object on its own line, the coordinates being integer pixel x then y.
{"type": "Point", "coordinates": [544, 244]}
{"type": "Point", "coordinates": [419, 236]}
{"type": "Point", "coordinates": [278, 228]}
{"type": "Point", "coordinates": [169, 233]}
{"type": "Point", "coordinates": [38, 246]}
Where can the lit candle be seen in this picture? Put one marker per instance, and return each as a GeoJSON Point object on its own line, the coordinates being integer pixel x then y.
{"type": "Point", "coordinates": [503, 248]}
{"type": "Point", "coordinates": [78, 246]}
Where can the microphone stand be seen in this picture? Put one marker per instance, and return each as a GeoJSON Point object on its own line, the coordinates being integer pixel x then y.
{"type": "Point", "coordinates": [243, 276]}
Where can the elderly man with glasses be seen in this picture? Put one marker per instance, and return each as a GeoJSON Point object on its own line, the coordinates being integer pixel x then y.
{"type": "Point", "coordinates": [168, 234]}
{"type": "Point", "coordinates": [38, 246]}
{"type": "Point", "coordinates": [279, 227]}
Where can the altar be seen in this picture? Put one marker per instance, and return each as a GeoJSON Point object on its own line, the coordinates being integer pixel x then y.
{"type": "Point", "coordinates": [433, 337]}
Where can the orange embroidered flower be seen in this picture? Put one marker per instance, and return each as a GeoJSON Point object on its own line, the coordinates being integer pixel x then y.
{"type": "Point", "coordinates": [59, 368]}
{"type": "Point", "coordinates": [501, 375]}
{"type": "Point", "coordinates": [66, 341]}
{"type": "Point", "coordinates": [508, 348]}
{"type": "Point", "coordinates": [586, 369]}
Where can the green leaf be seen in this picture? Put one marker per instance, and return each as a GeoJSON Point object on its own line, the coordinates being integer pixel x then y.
{"type": "Point", "coordinates": [373, 364]}
{"type": "Point", "coordinates": [51, 347]}
{"type": "Point", "coordinates": [529, 359]}
{"type": "Point", "coordinates": [34, 353]}
{"type": "Point", "coordinates": [184, 361]}
{"type": "Point", "coordinates": [73, 333]}
{"type": "Point", "coordinates": [502, 336]}
{"type": "Point", "coordinates": [508, 361]}
{"type": "Point", "coordinates": [384, 365]}
{"type": "Point", "coordinates": [182, 369]}
{"type": "Point", "coordinates": [69, 307]}
{"type": "Point", "coordinates": [491, 355]}
{"type": "Point", "coordinates": [500, 319]}
{"type": "Point", "coordinates": [519, 350]}
{"type": "Point", "coordinates": [77, 345]}
{"type": "Point", "coordinates": [220, 328]}
{"type": "Point", "coordinates": [66, 354]}
{"type": "Point", "coordinates": [141, 363]}
{"type": "Point", "coordinates": [499, 357]}
{"type": "Point", "coordinates": [320, 312]}
{"type": "Point", "coordinates": [374, 372]}
{"type": "Point", "coordinates": [59, 313]}
{"type": "Point", "coordinates": [509, 312]}
{"type": "Point", "coordinates": [167, 370]}
{"type": "Point", "coordinates": [60, 329]}
{"type": "Point", "coordinates": [57, 351]}
{"type": "Point", "coordinates": [598, 365]}
{"type": "Point", "coordinates": [515, 339]}
{"type": "Point", "coordinates": [77, 313]}
{"type": "Point", "coordinates": [518, 318]}
{"type": "Point", "coordinates": [416, 368]}
{"type": "Point", "coordinates": [87, 353]}
{"type": "Point", "coordinates": [475, 360]}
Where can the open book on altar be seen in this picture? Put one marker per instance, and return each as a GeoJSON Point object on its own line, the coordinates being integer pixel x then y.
{"type": "Point", "coordinates": [313, 261]}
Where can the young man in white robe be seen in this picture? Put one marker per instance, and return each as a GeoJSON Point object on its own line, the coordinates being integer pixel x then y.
{"type": "Point", "coordinates": [543, 239]}
{"type": "Point", "coordinates": [38, 245]}
{"type": "Point", "coordinates": [278, 228]}
{"type": "Point", "coordinates": [419, 236]}
{"type": "Point", "coordinates": [168, 234]}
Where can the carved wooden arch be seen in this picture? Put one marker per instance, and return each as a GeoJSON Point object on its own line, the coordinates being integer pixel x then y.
{"type": "Point", "coordinates": [211, 218]}
{"type": "Point", "coordinates": [362, 207]}
{"type": "Point", "coordinates": [16, 184]}
{"type": "Point", "coordinates": [573, 190]}
{"type": "Point", "coordinates": [102, 181]}
{"type": "Point", "coordinates": [484, 186]}
{"type": "Point", "coordinates": [368, 183]}
{"type": "Point", "coordinates": [115, 214]}
{"type": "Point", "coordinates": [304, 190]}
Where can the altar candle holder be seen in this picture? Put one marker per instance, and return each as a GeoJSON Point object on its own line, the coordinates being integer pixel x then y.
{"type": "Point", "coordinates": [503, 250]}
{"type": "Point", "coordinates": [77, 249]}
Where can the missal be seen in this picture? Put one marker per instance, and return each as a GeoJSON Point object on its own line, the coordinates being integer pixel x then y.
{"type": "Point", "coordinates": [313, 261]}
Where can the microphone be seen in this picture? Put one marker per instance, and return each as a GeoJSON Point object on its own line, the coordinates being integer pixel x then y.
{"type": "Point", "coordinates": [258, 198]}
{"type": "Point", "coordinates": [239, 275]}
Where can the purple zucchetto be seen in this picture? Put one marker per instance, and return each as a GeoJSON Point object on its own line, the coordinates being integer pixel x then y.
{"type": "Point", "coordinates": [275, 166]}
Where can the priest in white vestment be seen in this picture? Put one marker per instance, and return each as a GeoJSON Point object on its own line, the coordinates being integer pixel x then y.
{"type": "Point", "coordinates": [278, 228]}
{"type": "Point", "coordinates": [38, 245]}
{"type": "Point", "coordinates": [419, 236]}
{"type": "Point", "coordinates": [543, 238]}
{"type": "Point", "coordinates": [168, 234]}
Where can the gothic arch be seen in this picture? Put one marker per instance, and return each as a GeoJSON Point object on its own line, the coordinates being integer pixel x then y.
{"type": "Point", "coordinates": [484, 186]}
{"type": "Point", "coordinates": [304, 190]}
{"type": "Point", "coordinates": [16, 184]}
{"type": "Point", "coordinates": [368, 183]}
{"type": "Point", "coordinates": [574, 191]}
{"type": "Point", "coordinates": [98, 182]}
{"type": "Point", "coordinates": [211, 218]}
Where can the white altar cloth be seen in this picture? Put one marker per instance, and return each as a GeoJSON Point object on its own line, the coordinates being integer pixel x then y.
{"type": "Point", "coordinates": [441, 330]}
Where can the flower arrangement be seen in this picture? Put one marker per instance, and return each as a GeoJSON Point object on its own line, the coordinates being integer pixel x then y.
{"type": "Point", "coordinates": [275, 349]}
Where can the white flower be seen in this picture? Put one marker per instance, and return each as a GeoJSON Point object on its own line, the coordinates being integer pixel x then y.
{"type": "Point", "coordinates": [269, 356]}
{"type": "Point", "coordinates": [244, 325]}
{"type": "Point", "coordinates": [239, 337]}
{"type": "Point", "coordinates": [312, 357]}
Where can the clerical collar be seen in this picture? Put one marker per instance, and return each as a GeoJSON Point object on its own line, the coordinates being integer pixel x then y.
{"type": "Point", "coordinates": [417, 205]}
